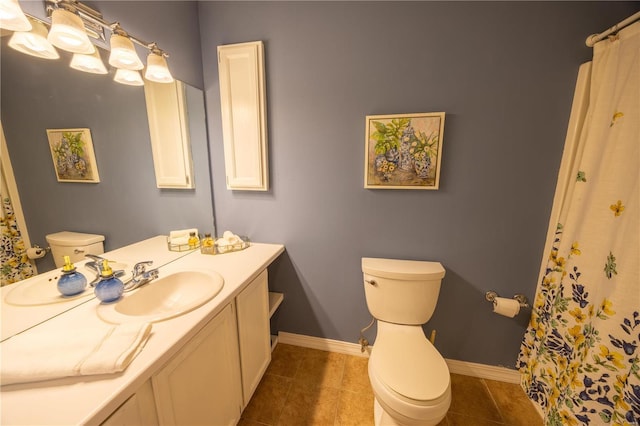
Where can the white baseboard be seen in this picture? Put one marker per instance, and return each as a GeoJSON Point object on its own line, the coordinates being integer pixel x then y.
{"type": "Point", "coordinates": [321, 344]}
{"type": "Point", "coordinates": [473, 369]}
{"type": "Point", "coordinates": [483, 371]}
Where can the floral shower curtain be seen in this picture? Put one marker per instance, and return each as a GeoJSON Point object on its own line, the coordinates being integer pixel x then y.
{"type": "Point", "coordinates": [14, 263]}
{"type": "Point", "coordinates": [580, 356]}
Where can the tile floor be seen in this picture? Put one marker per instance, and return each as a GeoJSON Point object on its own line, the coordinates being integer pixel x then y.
{"type": "Point", "coordinates": [305, 387]}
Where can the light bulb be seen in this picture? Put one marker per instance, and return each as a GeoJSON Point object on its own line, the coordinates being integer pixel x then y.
{"type": "Point", "coordinates": [123, 53]}
{"type": "Point", "coordinates": [157, 69]}
{"type": "Point", "coordinates": [67, 32]}
{"type": "Point", "coordinates": [34, 42]}
{"type": "Point", "coordinates": [130, 77]}
{"type": "Point", "coordinates": [12, 17]}
{"type": "Point", "coordinates": [88, 63]}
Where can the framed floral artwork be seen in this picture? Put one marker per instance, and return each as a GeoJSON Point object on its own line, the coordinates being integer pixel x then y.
{"type": "Point", "coordinates": [403, 151]}
{"type": "Point", "coordinates": [73, 157]}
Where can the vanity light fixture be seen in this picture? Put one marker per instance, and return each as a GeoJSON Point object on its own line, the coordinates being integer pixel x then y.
{"type": "Point", "coordinates": [157, 69]}
{"type": "Point", "coordinates": [67, 32]}
{"type": "Point", "coordinates": [123, 53]}
{"type": "Point", "coordinates": [12, 17]}
{"type": "Point", "coordinates": [129, 77]}
{"type": "Point", "coordinates": [88, 63]}
{"type": "Point", "coordinates": [34, 42]}
{"type": "Point", "coordinates": [72, 22]}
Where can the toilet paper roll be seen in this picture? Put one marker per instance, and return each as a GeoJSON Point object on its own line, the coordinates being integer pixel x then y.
{"type": "Point", "coordinates": [35, 252]}
{"type": "Point", "coordinates": [507, 307]}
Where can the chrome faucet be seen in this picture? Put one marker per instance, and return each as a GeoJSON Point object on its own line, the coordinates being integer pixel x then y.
{"type": "Point", "coordinates": [140, 275]}
{"type": "Point", "coordinates": [95, 257]}
{"type": "Point", "coordinates": [96, 266]}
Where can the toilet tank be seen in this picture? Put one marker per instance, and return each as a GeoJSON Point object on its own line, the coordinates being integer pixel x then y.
{"type": "Point", "coordinates": [401, 291]}
{"type": "Point", "coordinates": [75, 245]}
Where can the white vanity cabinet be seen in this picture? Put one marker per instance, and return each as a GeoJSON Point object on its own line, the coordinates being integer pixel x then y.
{"type": "Point", "coordinates": [139, 409]}
{"type": "Point", "coordinates": [243, 109]}
{"type": "Point", "coordinates": [198, 368]}
{"type": "Point", "coordinates": [202, 383]}
{"type": "Point", "coordinates": [212, 378]}
{"type": "Point", "coordinates": [253, 333]}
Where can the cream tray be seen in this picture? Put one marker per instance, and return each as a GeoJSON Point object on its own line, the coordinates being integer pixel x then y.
{"type": "Point", "coordinates": [182, 247]}
{"type": "Point", "coordinates": [230, 248]}
{"type": "Point", "coordinates": [217, 249]}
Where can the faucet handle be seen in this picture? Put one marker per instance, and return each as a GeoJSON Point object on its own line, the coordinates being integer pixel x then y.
{"type": "Point", "coordinates": [95, 257]}
{"type": "Point", "coordinates": [152, 274]}
{"type": "Point", "coordinates": [140, 267]}
{"type": "Point", "coordinates": [141, 275]}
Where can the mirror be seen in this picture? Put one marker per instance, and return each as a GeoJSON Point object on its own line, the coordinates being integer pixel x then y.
{"type": "Point", "coordinates": [125, 206]}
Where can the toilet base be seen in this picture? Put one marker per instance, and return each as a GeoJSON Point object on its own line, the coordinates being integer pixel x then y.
{"type": "Point", "coordinates": [382, 418]}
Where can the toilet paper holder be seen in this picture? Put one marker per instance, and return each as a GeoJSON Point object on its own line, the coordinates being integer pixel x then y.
{"type": "Point", "coordinates": [521, 298]}
{"type": "Point", "coordinates": [37, 252]}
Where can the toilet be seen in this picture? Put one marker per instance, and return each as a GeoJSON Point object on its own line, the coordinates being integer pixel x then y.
{"type": "Point", "coordinates": [75, 245]}
{"type": "Point", "coordinates": [409, 377]}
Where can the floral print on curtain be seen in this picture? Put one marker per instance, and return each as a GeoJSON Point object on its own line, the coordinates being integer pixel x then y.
{"type": "Point", "coordinates": [580, 357]}
{"type": "Point", "coordinates": [14, 263]}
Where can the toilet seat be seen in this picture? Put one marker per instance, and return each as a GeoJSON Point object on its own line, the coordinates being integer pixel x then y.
{"type": "Point", "coordinates": [407, 373]}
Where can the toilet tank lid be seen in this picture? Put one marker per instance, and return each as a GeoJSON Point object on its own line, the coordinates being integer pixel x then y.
{"type": "Point", "coordinates": [67, 238]}
{"type": "Point", "coordinates": [402, 269]}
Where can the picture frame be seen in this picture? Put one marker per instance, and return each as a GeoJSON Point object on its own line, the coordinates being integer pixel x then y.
{"type": "Point", "coordinates": [403, 151]}
{"type": "Point", "coordinates": [73, 156]}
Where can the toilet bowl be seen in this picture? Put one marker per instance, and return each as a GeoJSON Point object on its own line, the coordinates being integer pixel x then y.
{"type": "Point", "coordinates": [409, 377]}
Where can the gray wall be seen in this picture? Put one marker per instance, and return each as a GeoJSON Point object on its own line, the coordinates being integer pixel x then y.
{"type": "Point", "coordinates": [503, 72]}
{"type": "Point", "coordinates": [125, 206]}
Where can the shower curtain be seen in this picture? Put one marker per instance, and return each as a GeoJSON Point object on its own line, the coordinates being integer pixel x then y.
{"type": "Point", "coordinates": [14, 263]}
{"type": "Point", "coordinates": [580, 356]}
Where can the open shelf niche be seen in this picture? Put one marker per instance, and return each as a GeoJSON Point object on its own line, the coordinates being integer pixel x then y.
{"type": "Point", "coordinates": [275, 299]}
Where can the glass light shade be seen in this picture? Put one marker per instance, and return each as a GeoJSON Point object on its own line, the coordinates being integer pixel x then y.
{"type": "Point", "coordinates": [67, 32]}
{"type": "Point", "coordinates": [123, 53]}
{"type": "Point", "coordinates": [88, 63]}
{"type": "Point", "coordinates": [157, 69]}
{"type": "Point", "coordinates": [130, 77]}
{"type": "Point", "coordinates": [34, 42]}
{"type": "Point", "coordinates": [12, 17]}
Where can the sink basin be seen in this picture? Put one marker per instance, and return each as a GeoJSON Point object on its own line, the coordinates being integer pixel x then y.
{"type": "Point", "coordinates": [164, 298]}
{"type": "Point", "coordinates": [42, 289]}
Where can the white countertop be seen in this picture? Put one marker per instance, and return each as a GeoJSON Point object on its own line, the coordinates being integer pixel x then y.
{"type": "Point", "coordinates": [15, 319]}
{"type": "Point", "coordinates": [91, 399]}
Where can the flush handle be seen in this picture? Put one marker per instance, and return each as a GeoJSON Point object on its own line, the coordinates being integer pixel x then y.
{"type": "Point", "coordinates": [372, 282]}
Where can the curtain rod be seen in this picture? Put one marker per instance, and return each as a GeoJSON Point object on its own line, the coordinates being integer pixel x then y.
{"type": "Point", "coordinates": [594, 38]}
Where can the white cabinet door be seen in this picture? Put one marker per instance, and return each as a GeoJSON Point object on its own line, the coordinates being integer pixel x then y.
{"type": "Point", "coordinates": [139, 409]}
{"type": "Point", "coordinates": [253, 331]}
{"type": "Point", "coordinates": [201, 384]}
{"type": "Point", "coordinates": [243, 107]}
{"type": "Point", "coordinates": [169, 131]}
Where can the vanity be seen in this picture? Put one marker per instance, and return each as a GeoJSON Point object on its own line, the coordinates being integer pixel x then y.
{"type": "Point", "coordinates": [200, 367]}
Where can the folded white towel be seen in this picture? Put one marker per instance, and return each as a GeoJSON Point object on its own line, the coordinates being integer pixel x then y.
{"type": "Point", "coordinates": [181, 233]}
{"type": "Point", "coordinates": [35, 356]}
{"type": "Point", "coordinates": [229, 241]}
{"type": "Point", "coordinates": [179, 241]}
{"type": "Point", "coordinates": [181, 236]}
